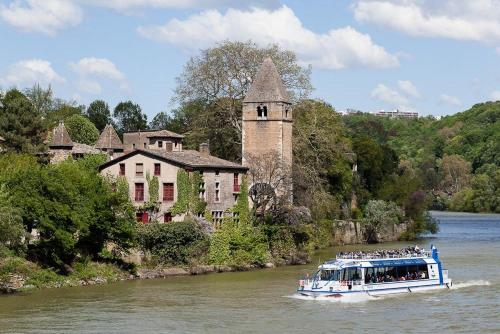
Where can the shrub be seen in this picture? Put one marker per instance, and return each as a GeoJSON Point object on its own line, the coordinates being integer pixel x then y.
{"type": "Point", "coordinates": [175, 243]}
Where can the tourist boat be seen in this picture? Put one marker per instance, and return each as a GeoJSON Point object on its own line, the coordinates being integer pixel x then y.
{"type": "Point", "coordinates": [377, 273]}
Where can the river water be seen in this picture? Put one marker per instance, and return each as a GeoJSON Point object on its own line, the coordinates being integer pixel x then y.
{"type": "Point", "coordinates": [263, 301]}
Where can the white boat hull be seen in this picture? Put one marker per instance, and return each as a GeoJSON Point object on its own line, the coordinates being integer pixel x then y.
{"type": "Point", "coordinates": [379, 289]}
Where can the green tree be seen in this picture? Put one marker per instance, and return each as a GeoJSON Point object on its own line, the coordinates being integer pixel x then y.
{"type": "Point", "coordinates": [81, 130]}
{"type": "Point", "coordinates": [20, 124]}
{"type": "Point", "coordinates": [322, 173]}
{"type": "Point", "coordinates": [11, 227]}
{"type": "Point", "coordinates": [129, 117]}
{"type": "Point", "coordinates": [380, 215]}
{"type": "Point", "coordinates": [217, 81]}
{"type": "Point", "coordinates": [161, 121]}
{"type": "Point", "coordinates": [75, 210]}
{"type": "Point", "coordinates": [98, 113]}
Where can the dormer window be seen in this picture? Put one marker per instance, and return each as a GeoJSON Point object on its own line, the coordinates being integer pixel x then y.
{"type": "Point", "coordinates": [262, 112]}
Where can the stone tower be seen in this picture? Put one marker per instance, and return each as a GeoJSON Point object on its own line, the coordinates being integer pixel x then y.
{"type": "Point", "coordinates": [267, 120]}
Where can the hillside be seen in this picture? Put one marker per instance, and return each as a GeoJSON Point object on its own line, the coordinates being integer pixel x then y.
{"type": "Point", "coordinates": [457, 157]}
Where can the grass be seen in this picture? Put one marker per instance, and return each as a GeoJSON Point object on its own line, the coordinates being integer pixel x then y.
{"type": "Point", "coordinates": [38, 277]}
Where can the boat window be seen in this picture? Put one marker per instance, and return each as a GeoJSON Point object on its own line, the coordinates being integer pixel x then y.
{"type": "Point", "coordinates": [353, 274]}
{"type": "Point", "coordinates": [370, 275]}
{"type": "Point", "coordinates": [325, 275]}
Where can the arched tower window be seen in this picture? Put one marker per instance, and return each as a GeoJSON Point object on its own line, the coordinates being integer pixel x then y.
{"type": "Point", "coordinates": [262, 112]}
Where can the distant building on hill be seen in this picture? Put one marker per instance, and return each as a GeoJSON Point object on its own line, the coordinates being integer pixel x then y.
{"type": "Point", "coordinates": [397, 114]}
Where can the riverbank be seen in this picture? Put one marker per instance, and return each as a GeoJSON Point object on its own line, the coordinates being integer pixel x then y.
{"type": "Point", "coordinates": [20, 275]}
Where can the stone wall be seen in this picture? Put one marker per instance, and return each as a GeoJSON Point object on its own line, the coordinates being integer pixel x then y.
{"type": "Point", "coordinates": [351, 232]}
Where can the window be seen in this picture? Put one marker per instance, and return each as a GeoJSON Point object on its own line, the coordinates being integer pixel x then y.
{"type": "Point", "coordinates": [217, 218]}
{"type": "Point", "coordinates": [175, 143]}
{"type": "Point", "coordinates": [217, 191]}
{"type": "Point", "coordinates": [216, 172]}
{"type": "Point", "coordinates": [201, 191]}
{"type": "Point", "coordinates": [168, 146]}
{"type": "Point", "coordinates": [122, 169]}
{"type": "Point", "coordinates": [286, 113]}
{"type": "Point", "coordinates": [133, 146]}
{"type": "Point", "coordinates": [139, 169]}
{"type": "Point", "coordinates": [168, 192]}
{"type": "Point", "coordinates": [139, 192]}
{"type": "Point", "coordinates": [236, 184]}
{"type": "Point", "coordinates": [167, 217]}
{"type": "Point", "coordinates": [160, 143]}
{"type": "Point", "coordinates": [145, 218]}
{"type": "Point", "coordinates": [261, 112]}
{"type": "Point", "coordinates": [157, 169]}
{"type": "Point", "coordinates": [145, 145]}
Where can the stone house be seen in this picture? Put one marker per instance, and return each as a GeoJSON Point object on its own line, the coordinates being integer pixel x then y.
{"type": "Point", "coordinates": [109, 142]}
{"type": "Point", "coordinates": [220, 187]}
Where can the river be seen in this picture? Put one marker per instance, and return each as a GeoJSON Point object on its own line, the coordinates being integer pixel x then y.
{"type": "Point", "coordinates": [263, 301]}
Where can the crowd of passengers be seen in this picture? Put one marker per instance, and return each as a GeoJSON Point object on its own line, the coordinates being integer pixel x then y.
{"type": "Point", "coordinates": [381, 277]}
{"type": "Point", "coordinates": [410, 251]}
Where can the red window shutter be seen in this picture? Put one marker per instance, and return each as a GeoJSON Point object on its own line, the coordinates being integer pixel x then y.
{"type": "Point", "coordinates": [139, 192]}
{"type": "Point", "coordinates": [157, 169]}
{"type": "Point", "coordinates": [167, 217]}
{"type": "Point", "coordinates": [145, 217]}
{"type": "Point", "coordinates": [168, 192]}
{"type": "Point", "coordinates": [236, 183]}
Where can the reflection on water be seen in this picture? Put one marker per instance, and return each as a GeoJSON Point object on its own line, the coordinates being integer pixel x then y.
{"type": "Point", "coordinates": [259, 301]}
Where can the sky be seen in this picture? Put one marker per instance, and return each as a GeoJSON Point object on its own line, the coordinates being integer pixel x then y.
{"type": "Point", "coordinates": [433, 57]}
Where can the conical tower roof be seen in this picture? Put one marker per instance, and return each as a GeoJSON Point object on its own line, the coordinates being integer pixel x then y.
{"type": "Point", "coordinates": [267, 85]}
{"type": "Point", "coordinates": [109, 139]}
{"type": "Point", "coordinates": [60, 137]}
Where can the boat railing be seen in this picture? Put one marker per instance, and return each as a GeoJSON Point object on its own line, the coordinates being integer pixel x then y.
{"type": "Point", "coordinates": [383, 256]}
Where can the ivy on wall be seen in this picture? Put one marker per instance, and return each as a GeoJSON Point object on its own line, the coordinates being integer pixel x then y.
{"type": "Point", "coordinates": [188, 200]}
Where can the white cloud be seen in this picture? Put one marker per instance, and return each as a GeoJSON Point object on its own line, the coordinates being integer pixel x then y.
{"type": "Point", "coordinates": [456, 19]}
{"type": "Point", "coordinates": [43, 16]}
{"type": "Point", "coordinates": [29, 72]}
{"type": "Point", "coordinates": [389, 96]}
{"type": "Point", "coordinates": [91, 69]}
{"type": "Point", "coordinates": [335, 49]}
{"type": "Point", "coordinates": [129, 4]}
{"type": "Point", "coordinates": [495, 95]}
{"type": "Point", "coordinates": [408, 88]}
{"type": "Point", "coordinates": [449, 100]}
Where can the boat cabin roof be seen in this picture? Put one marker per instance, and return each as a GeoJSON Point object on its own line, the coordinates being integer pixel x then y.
{"type": "Point", "coordinates": [376, 263]}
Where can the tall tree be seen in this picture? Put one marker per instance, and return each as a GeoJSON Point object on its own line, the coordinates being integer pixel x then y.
{"type": "Point", "coordinates": [20, 124]}
{"type": "Point", "coordinates": [161, 121]}
{"type": "Point", "coordinates": [218, 80]}
{"type": "Point", "coordinates": [82, 130]}
{"type": "Point", "coordinates": [129, 117]}
{"type": "Point", "coordinates": [98, 113]}
{"type": "Point", "coordinates": [322, 170]}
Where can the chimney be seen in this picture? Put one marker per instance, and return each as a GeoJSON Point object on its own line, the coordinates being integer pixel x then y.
{"type": "Point", "coordinates": [205, 149]}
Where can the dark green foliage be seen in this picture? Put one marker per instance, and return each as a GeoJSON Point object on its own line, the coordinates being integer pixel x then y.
{"type": "Point", "coordinates": [98, 113]}
{"type": "Point", "coordinates": [73, 208]}
{"type": "Point", "coordinates": [12, 230]}
{"type": "Point", "coordinates": [129, 117]}
{"type": "Point", "coordinates": [161, 122]}
{"type": "Point", "coordinates": [81, 130]}
{"type": "Point", "coordinates": [175, 243]}
{"type": "Point", "coordinates": [20, 124]}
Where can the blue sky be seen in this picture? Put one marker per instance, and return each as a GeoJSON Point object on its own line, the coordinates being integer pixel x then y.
{"type": "Point", "coordinates": [434, 57]}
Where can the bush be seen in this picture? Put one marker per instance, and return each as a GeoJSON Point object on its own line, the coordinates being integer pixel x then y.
{"type": "Point", "coordinates": [175, 243]}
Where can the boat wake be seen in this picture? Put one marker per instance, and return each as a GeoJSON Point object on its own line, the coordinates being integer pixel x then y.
{"type": "Point", "coordinates": [468, 284]}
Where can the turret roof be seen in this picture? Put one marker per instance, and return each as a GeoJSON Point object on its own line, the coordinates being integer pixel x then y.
{"type": "Point", "coordinates": [109, 139]}
{"type": "Point", "coordinates": [60, 137]}
{"type": "Point", "coordinates": [267, 85]}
